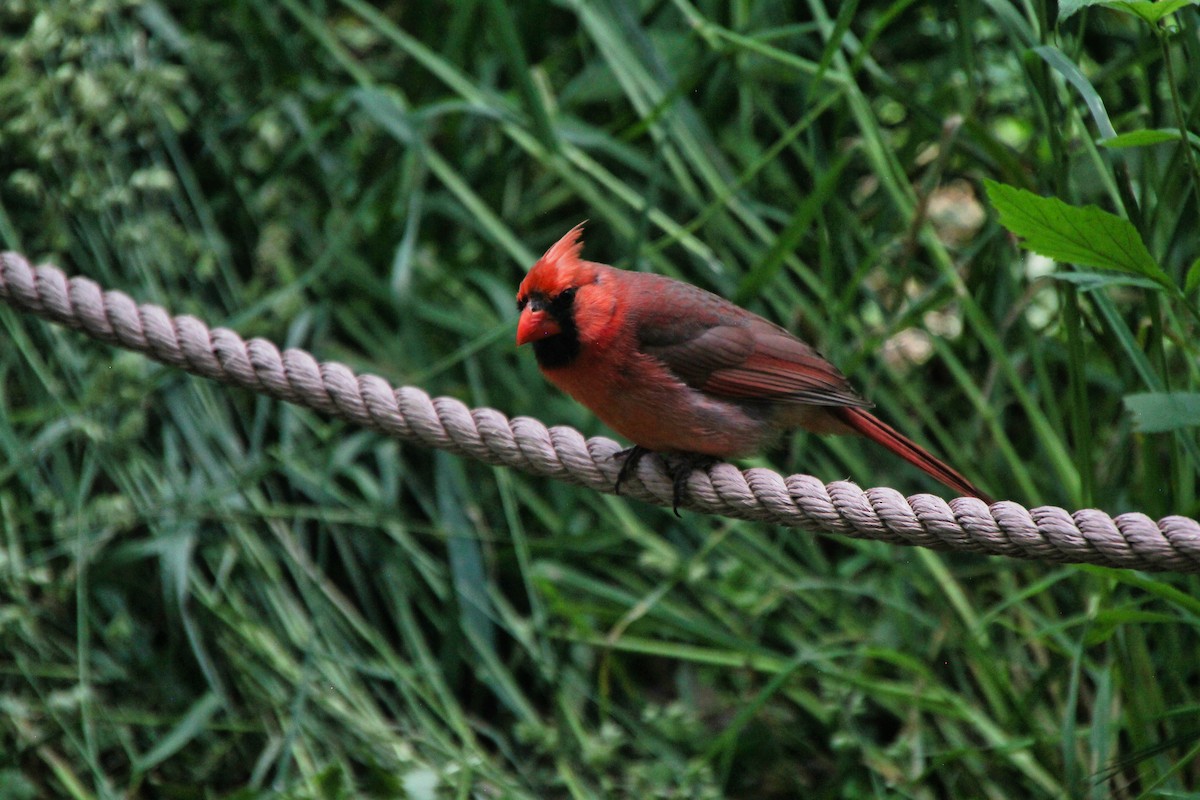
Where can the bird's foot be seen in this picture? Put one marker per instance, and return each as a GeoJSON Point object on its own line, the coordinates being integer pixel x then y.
{"type": "Point", "coordinates": [679, 467]}
{"type": "Point", "coordinates": [632, 456]}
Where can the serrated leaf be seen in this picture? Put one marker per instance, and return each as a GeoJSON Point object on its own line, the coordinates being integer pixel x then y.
{"type": "Point", "coordinates": [1156, 412]}
{"type": "Point", "coordinates": [1142, 9]}
{"type": "Point", "coordinates": [1149, 11]}
{"type": "Point", "coordinates": [1193, 277]}
{"type": "Point", "coordinates": [1068, 7]}
{"type": "Point", "coordinates": [1088, 236]}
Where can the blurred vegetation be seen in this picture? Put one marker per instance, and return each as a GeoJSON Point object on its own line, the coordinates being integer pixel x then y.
{"type": "Point", "coordinates": [205, 593]}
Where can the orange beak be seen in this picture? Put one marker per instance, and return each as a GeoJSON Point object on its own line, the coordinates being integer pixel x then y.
{"type": "Point", "coordinates": [535, 325]}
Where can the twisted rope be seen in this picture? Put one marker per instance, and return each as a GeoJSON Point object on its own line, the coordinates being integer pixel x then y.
{"type": "Point", "coordinates": [966, 524]}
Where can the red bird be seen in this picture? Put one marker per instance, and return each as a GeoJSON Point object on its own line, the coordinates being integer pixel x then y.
{"type": "Point", "coordinates": [680, 370]}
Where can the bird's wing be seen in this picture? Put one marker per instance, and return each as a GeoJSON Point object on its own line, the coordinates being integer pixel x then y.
{"type": "Point", "coordinates": [721, 349]}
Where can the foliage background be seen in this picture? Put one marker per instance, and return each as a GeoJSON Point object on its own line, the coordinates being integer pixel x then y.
{"type": "Point", "coordinates": [210, 594]}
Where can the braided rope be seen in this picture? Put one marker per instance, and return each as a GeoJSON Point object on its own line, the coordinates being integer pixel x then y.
{"type": "Point", "coordinates": [965, 524]}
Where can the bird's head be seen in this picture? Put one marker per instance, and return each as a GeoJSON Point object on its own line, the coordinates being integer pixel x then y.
{"type": "Point", "coordinates": [547, 301]}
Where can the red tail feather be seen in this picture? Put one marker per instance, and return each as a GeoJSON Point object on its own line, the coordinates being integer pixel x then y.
{"type": "Point", "coordinates": [876, 430]}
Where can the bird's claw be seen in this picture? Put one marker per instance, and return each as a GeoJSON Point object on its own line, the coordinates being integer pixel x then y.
{"type": "Point", "coordinates": [678, 469]}
{"type": "Point", "coordinates": [632, 456]}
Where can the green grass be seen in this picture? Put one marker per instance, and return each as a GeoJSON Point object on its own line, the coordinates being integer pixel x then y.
{"type": "Point", "coordinates": [205, 593]}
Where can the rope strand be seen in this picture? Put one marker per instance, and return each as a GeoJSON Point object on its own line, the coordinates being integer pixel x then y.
{"type": "Point", "coordinates": [965, 524]}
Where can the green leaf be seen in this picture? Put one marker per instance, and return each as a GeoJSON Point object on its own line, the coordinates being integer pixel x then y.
{"type": "Point", "coordinates": [1141, 138]}
{"type": "Point", "coordinates": [193, 724]}
{"type": "Point", "coordinates": [1088, 236]}
{"type": "Point", "coordinates": [1091, 281]}
{"type": "Point", "coordinates": [1193, 277]}
{"type": "Point", "coordinates": [1067, 68]}
{"type": "Point", "coordinates": [1109, 622]}
{"type": "Point", "coordinates": [1156, 412]}
{"type": "Point", "coordinates": [1145, 138]}
{"type": "Point", "coordinates": [1068, 7]}
{"type": "Point", "coordinates": [1150, 12]}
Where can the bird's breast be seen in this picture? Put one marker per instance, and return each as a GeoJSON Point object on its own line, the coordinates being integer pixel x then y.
{"type": "Point", "coordinates": [639, 398]}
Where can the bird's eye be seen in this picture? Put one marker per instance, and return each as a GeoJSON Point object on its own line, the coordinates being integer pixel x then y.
{"type": "Point", "coordinates": [566, 295]}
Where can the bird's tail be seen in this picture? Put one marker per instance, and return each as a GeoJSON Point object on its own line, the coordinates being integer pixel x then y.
{"type": "Point", "coordinates": [877, 430]}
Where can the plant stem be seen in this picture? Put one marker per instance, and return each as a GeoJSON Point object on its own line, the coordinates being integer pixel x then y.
{"type": "Point", "coordinates": [1180, 118]}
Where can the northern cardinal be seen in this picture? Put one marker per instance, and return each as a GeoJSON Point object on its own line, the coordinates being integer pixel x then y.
{"type": "Point", "coordinates": [681, 371]}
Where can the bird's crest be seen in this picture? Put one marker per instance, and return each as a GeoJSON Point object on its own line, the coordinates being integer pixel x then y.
{"type": "Point", "coordinates": [560, 268]}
